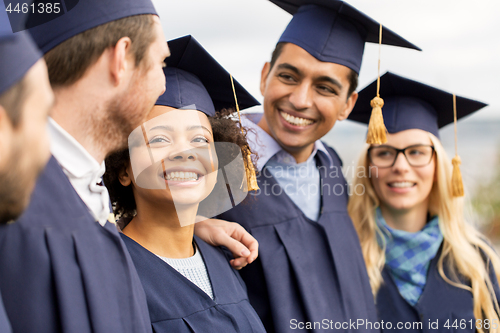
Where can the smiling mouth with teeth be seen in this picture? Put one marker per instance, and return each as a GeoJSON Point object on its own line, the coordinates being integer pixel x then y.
{"type": "Point", "coordinates": [182, 176]}
{"type": "Point", "coordinates": [402, 184]}
{"type": "Point", "coordinates": [296, 121]}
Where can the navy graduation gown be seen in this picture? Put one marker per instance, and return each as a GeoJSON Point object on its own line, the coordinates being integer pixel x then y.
{"type": "Point", "coordinates": [4, 321]}
{"type": "Point", "coordinates": [60, 271]}
{"type": "Point", "coordinates": [306, 271]}
{"type": "Point", "coordinates": [440, 304]}
{"type": "Point", "coordinates": [177, 305]}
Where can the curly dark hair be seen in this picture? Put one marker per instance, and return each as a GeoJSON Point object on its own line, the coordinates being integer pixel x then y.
{"type": "Point", "coordinates": [225, 129]}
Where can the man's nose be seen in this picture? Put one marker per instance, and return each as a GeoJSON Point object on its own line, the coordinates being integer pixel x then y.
{"type": "Point", "coordinates": [301, 96]}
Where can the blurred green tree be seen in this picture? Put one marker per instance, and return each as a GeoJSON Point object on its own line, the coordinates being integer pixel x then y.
{"type": "Point", "coordinates": [486, 203]}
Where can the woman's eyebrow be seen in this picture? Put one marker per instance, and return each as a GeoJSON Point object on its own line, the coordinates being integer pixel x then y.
{"type": "Point", "coordinates": [409, 146]}
{"type": "Point", "coordinates": [164, 127]}
{"type": "Point", "coordinates": [190, 128]}
{"type": "Point", "coordinates": [172, 129]}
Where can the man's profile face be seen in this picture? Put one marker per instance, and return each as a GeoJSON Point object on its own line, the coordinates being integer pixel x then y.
{"type": "Point", "coordinates": [303, 97]}
{"type": "Point", "coordinates": [29, 149]}
{"type": "Point", "coordinates": [151, 76]}
{"type": "Point", "coordinates": [146, 84]}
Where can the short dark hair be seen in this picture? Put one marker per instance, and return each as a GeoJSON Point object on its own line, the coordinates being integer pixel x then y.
{"type": "Point", "coordinates": [68, 62]}
{"type": "Point", "coordinates": [353, 76]}
{"type": "Point", "coordinates": [13, 100]}
{"type": "Point", "coordinates": [224, 129]}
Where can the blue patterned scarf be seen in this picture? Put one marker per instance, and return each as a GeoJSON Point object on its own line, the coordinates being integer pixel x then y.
{"type": "Point", "coordinates": [408, 255]}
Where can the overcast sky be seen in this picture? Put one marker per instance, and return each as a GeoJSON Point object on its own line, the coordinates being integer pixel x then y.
{"type": "Point", "coordinates": [460, 40]}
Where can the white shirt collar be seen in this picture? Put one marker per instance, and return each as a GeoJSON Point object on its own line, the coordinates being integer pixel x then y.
{"type": "Point", "coordinates": [265, 145]}
{"type": "Point", "coordinates": [70, 153]}
{"type": "Point", "coordinates": [83, 171]}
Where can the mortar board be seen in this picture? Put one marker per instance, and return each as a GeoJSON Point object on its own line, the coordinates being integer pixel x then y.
{"type": "Point", "coordinates": [77, 16]}
{"type": "Point", "coordinates": [194, 77]}
{"type": "Point", "coordinates": [334, 31]}
{"type": "Point", "coordinates": [5, 27]}
{"type": "Point", "coordinates": [412, 105]}
{"type": "Point", "coordinates": [18, 53]}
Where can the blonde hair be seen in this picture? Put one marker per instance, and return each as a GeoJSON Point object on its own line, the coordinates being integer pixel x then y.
{"type": "Point", "coordinates": [464, 248]}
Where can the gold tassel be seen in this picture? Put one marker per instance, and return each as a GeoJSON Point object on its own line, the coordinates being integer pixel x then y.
{"type": "Point", "coordinates": [250, 171]}
{"type": "Point", "coordinates": [247, 154]}
{"type": "Point", "coordinates": [457, 184]}
{"type": "Point", "coordinates": [376, 127]}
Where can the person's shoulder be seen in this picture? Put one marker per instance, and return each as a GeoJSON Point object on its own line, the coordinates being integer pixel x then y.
{"type": "Point", "coordinates": [490, 255]}
{"type": "Point", "coordinates": [253, 117]}
{"type": "Point", "coordinates": [221, 254]}
{"type": "Point", "coordinates": [487, 252]}
{"type": "Point", "coordinates": [52, 202]}
{"type": "Point", "coordinates": [53, 183]}
{"type": "Point", "coordinates": [333, 154]}
{"type": "Point", "coordinates": [207, 249]}
{"type": "Point", "coordinates": [134, 248]}
{"type": "Point", "coordinates": [219, 257]}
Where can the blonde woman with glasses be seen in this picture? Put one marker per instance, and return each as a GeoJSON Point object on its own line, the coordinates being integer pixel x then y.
{"type": "Point", "coordinates": [429, 270]}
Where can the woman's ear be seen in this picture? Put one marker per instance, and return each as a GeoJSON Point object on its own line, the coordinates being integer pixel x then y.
{"type": "Point", "coordinates": [125, 176]}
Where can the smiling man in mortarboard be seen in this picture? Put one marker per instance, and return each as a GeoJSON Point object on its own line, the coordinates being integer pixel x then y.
{"type": "Point", "coordinates": [310, 267]}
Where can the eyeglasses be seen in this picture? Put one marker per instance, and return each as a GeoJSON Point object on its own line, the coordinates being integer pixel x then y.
{"type": "Point", "coordinates": [386, 156]}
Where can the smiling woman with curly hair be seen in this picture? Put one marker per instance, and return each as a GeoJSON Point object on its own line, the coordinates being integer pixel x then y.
{"type": "Point", "coordinates": [174, 161]}
{"type": "Point", "coordinates": [224, 129]}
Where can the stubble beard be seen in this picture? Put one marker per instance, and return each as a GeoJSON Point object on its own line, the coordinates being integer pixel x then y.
{"type": "Point", "coordinates": [123, 114]}
{"type": "Point", "coordinates": [16, 184]}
